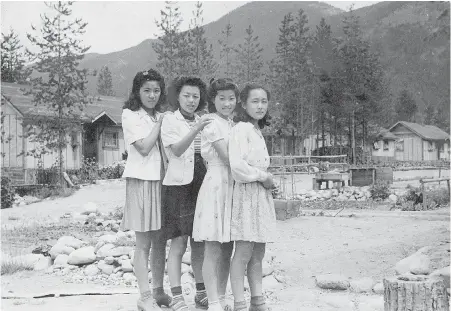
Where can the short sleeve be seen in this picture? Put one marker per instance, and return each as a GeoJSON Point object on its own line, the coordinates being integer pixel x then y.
{"type": "Point", "coordinates": [242, 171]}
{"type": "Point", "coordinates": [133, 127]}
{"type": "Point", "coordinates": [169, 133]}
{"type": "Point", "coordinates": [212, 132]}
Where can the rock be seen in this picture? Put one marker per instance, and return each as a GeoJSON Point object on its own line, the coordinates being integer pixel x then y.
{"type": "Point", "coordinates": [91, 270]}
{"type": "Point", "coordinates": [98, 246]}
{"type": "Point", "coordinates": [29, 260]}
{"type": "Point", "coordinates": [43, 264]}
{"type": "Point", "coordinates": [378, 288]}
{"type": "Point", "coordinates": [271, 284]}
{"type": "Point", "coordinates": [443, 273]}
{"type": "Point", "coordinates": [61, 260]}
{"type": "Point", "coordinates": [417, 263]}
{"type": "Point", "coordinates": [188, 286]}
{"type": "Point", "coordinates": [124, 257]}
{"type": "Point", "coordinates": [267, 268]}
{"type": "Point", "coordinates": [58, 249]}
{"type": "Point", "coordinates": [335, 192]}
{"type": "Point", "coordinates": [103, 251]}
{"type": "Point", "coordinates": [118, 251]}
{"type": "Point", "coordinates": [43, 249]}
{"type": "Point", "coordinates": [129, 278]}
{"type": "Point", "coordinates": [79, 217]}
{"type": "Point", "coordinates": [108, 238]}
{"type": "Point", "coordinates": [105, 268]}
{"type": "Point", "coordinates": [132, 256]}
{"type": "Point", "coordinates": [327, 194]}
{"type": "Point", "coordinates": [109, 260]}
{"type": "Point", "coordinates": [82, 256]}
{"type": "Point", "coordinates": [393, 198]}
{"type": "Point", "coordinates": [187, 258]}
{"type": "Point", "coordinates": [70, 241]}
{"type": "Point", "coordinates": [89, 208]}
{"type": "Point", "coordinates": [332, 281]}
{"type": "Point", "coordinates": [121, 234]}
{"type": "Point", "coordinates": [127, 266]}
{"type": "Point", "coordinates": [130, 234]}
{"type": "Point", "coordinates": [364, 285]}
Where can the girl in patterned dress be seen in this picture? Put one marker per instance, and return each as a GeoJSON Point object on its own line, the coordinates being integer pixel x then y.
{"type": "Point", "coordinates": [180, 134]}
{"type": "Point", "coordinates": [253, 216]}
{"type": "Point", "coordinates": [141, 123]}
{"type": "Point", "coordinates": [214, 203]}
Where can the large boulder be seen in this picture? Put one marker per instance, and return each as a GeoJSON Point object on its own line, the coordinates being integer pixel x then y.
{"type": "Point", "coordinates": [332, 281]}
{"type": "Point", "coordinates": [59, 249]}
{"type": "Point", "coordinates": [103, 251]}
{"type": "Point", "coordinates": [417, 263]}
{"type": "Point", "coordinates": [443, 273]}
{"type": "Point", "coordinates": [364, 285]}
{"type": "Point", "coordinates": [61, 260]}
{"type": "Point", "coordinates": [43, 263]}
{"type": "Point", "coordinates": [82, 256]}
{"type": "Point", "coordinates": [70, 241]}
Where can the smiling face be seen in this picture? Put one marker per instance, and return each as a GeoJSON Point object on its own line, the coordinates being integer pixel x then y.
{"type": "Point", "coordinates": [150, 93]}
{"type": "Point", "coordinates": [189, 98]}
{"type": "Point", "coordinates": [256, 104]}
{"type": "Point", "coordinates": [225, 102]}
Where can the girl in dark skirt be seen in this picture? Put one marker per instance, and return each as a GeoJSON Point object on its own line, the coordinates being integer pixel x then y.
{"type": "Point", "coordinates": [180, 134]}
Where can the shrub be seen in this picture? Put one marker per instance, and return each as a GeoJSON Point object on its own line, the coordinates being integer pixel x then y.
{"type": "Point", "coordinates": [113, 171]}
{"type": "Point", "coordinates": [415, 200]}
{"type": "Point", "coordinates": [47, 192]}
{"type": "Point", "coordinates": [380, 190]}
{"type": "Point", "coordinates": [13, 265]}
{"type": "Point", "coordinates": [7, 193]}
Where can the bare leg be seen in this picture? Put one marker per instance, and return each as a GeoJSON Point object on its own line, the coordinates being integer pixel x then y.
{"type": "Point", "coordinates": [243, 254]}
{"type": "Point", "coordinates": [157, 262]}
{"type": "Point", "coordinates": [178, 248]}
{"type": "Point", "coordinates": [211, 268]}
{"type": "Point", "coordinates": [255, 278]}
{"type": "Point", "coordinates": [224, 267]}
{"type": "Point", "coordinates": [141, 259]}
{"type": "Point", "coordinates": [197, 259]}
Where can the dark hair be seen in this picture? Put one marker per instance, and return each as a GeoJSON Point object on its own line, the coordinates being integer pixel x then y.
{"type": "Point", "coordinates": [176, 87]}
{"type": "Point", "coordinates": [134, 101]}
{"type": "Point", "coordinates": [222, 84]}
{"type": "Point", "coordinates": [242, 114]}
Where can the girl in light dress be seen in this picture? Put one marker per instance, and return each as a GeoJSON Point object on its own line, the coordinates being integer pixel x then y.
{"type": "Point", "coordinates": [253, 221]}
{"type": "Point", "coordinates": [180, 134]}
{"type": "Point", "coordinates": [213, 208]}
{"type": "Point", "coordinates": [141, 123]}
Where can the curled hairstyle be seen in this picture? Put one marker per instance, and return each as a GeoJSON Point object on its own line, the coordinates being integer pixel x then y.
{"type": "Point", "coordinates": [223, 84]}
{"type": "Point", "coordinates": [176, 87]}
{"type": "Point", "coordinates": [134, 101]}
{"type": "Point", "coordinates": [242, 114]}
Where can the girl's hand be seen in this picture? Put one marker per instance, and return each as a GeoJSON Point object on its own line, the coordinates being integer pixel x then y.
{"type": "Point", "coordinates": [268, 183]}
{"type": "Point", "coordinates": [203, 122]}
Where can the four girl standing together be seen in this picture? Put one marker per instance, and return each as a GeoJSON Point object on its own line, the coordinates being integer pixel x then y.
{"type": "Point", "coordinates": [199, 177]}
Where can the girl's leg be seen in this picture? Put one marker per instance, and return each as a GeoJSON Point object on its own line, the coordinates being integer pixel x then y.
{"type": "Point", "coordinates": [254, 276]}
{"type": "Point", "coordinates": [211, 268]}
{"type": "Point", "coordinates": [178, 248]}
{"type": "Point", "coordinates": [197, 261]}
{"type": "Point", "coordinates": [157, 262]}
{"type": "Point", "coordinates": [242, 256]}
{"type": "Point", "coordinates": [224, 271]}
{"type": "Point", "coordinates": [140, 261]}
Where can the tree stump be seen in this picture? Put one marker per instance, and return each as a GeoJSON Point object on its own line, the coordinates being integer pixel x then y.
{"type": "Point", "coordinates": [415, 293]}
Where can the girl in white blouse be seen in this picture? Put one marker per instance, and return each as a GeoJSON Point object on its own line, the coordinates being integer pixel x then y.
{"type": "Point", "coordinates": [214, 203]}
{"type": "Point", "coordinates": [253, 215]}
{"type": "Point", "coordinates": [141, 123]}
{"type": "Point", "coordinates": [180, 134]}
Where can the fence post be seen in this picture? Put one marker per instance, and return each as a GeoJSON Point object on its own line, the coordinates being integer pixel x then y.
{"type": "Point", "coordinates": [424, 194]}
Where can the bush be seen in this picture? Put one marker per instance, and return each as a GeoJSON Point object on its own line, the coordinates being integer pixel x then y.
{"type": "Point", "coordinates": [380, 190]}
{"type": "Point", "coordinates": [7, 193]}
{"type": "Point", "coordinates": [415, 200]}
{"type": "Point", "coordinates": [48, 192]}
{"type": "Point", "coordinates": [113, 171]}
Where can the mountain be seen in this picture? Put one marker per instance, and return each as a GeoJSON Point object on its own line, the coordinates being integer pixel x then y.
{"type": "Point", "coordinates": [398, 31]}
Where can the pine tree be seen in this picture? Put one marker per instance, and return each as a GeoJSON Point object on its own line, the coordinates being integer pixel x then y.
{"type": "Point", "coordinates": [60, 89]}
{"type": "Point", "coordinates": [169, 50]}
{"type": "Point", "coordinates": [248, 58]}
{"type": "Point", "coordinates": [105, 82]}
{"type": "Point", "coordinates": [200, 60]}
{"type": "Point", "coordinates": [226, 50]}
{"type": "Point", "coordinates": [406, 107]}
{"type": "Point", "coordinates": [12, 58]}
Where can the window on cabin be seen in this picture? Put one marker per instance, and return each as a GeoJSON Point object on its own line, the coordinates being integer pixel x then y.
{"type": "Point", "coordinates": [385, 144]}
{"type": "Point", "coordinates": [111, 140]}
{"type": "Point", "coordinates": [430, 146]}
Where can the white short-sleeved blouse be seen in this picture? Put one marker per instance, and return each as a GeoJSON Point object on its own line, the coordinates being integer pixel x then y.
{"type": "Point", "coordinates": [215, 131]}
{"type": "Point", "coordinates": [138, 125]}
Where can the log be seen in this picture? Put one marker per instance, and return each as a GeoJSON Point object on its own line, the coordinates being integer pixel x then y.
{"type": "Point", "coordinates": [415, 294]}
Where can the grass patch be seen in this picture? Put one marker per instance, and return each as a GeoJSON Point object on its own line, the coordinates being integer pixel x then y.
{"type": "Point", "coordinates": [12, 265]}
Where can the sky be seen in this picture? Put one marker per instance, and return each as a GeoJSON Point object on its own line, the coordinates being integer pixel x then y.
{"type": "Point", "coordinates": [117, 25]}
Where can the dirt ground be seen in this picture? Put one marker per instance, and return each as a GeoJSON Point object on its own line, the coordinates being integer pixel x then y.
{"type": "Point", "coordinates": [367, 244]}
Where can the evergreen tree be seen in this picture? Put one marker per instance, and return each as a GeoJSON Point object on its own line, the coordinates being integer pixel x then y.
{"type": "Point", "coordinates": [200, 60]}
{"type": "Point", "coordinates": [12, 58]}
{"type": "Point", "coordinates": [170, 54]}
{"type": "Point", "coordinates": [226, 50]}
{"type": "Point", "coordinates": [105, 82]}
{"type": "Point", "coordinates": [60, 89]}
{"type": "Point", "coordinates": [248, 63]}
{"type": "Point", "coordinates": [406, 107]}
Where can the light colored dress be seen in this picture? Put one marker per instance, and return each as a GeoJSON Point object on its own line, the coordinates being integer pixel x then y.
{"type": "Point", "coordinates": [214, 202]}
{"type": "Point", "coordinates": [253, 214]}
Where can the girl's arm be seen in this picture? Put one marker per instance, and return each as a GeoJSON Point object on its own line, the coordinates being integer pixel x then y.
{"type": "Point", "coordinates": [238, 151]}
{"type": "Point", "coordinates": [180, 147]}
{"type": "Point", "coordinates": [221, 148]}
{"type": "Point", "coordinates": [145, 145]}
